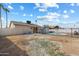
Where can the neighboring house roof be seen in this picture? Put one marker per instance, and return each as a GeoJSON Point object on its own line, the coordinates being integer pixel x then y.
{"type": "Point", "coordinates": [23, 24]}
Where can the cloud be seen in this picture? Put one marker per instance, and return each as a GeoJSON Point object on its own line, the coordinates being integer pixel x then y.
{"type": "Point", "coordinates": [24, 14]}
{"type": "Point", "coordinates": [21, 7]}
{"type": "Point", "coordinates": [10, 7]}
{"type": "Point", "coordinates": [42, 10]}
{"type": "Point", "coordinates": [40, 5]}
{"type": "Point", "coordinates": [50, 16]}
{"type": "Point", "coordinates": [53, 14]}
{"type": "Point", "coordinates": [72, 11]}
{"type": "Point", "coordinates": [31, 15]}
{"type": "Point", "coordinates": [37, 4]}
{"type": "Point", "coordinates": [65, 11]}
{"type": "Point", "coordinates": [72, 4]}
{"type": "Point", "coordinates": [43, 6]}
{"type": "Point", "coordinates": [28, 15]}
{"type": "Point", "coordinates": [65, 16]}
{"type": "Point", "coordinates": [52, 5]}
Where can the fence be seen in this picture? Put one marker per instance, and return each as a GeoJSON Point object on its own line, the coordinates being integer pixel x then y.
{"type": "Point", "coordinates": [15, 31]}
{"type": "Point", "coordinates": [67, 31]}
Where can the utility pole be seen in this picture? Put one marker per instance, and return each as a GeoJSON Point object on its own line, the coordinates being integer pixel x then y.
{"type": "Point", "coordinates": [36, 26]}
{"type": "Point", "coordinates": [71, 32]}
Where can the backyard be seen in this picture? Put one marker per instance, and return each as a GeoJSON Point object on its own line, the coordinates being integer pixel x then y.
{"type": "Point", "coordinates": [17, 44]}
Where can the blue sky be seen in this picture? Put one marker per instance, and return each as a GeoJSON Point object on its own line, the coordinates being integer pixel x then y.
{"type": "Point", "coordinates": [63, 14]}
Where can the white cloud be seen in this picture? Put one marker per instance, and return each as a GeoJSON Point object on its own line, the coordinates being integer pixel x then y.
{"type": "Point", "coordinates": [43, 6]}
{"type": "Point", "coordinates": [10, 7]}
{"type": "Point", "coordinates": [72, 4]}
{"type": "Point", "coordinates": [52, 5]}
{"type": "Point", "coordinates": [50, 16]}
{"type": "Point", "coordinates": [65, 11]}
{"type": "Point", "coordinates": [40, 5]}
{"type": "Point", "coordinates": [21, 7]}
{"type": "Point", "coordinates": [53, 14]}
{"type": "Point", "coordinates": [42, 17]}
{"type": "Point", "coordinates": [72, 11]}
{"type": "Point", "coordinates": [31, 15]}
{"type": "Point", "coordinates": [42, 10]}
{"type": "Point", "coordinates": [37, 4]}
{"type": "Point", "coordinates": [24, 14]}
{"type": "Point", "coordinates": [65, 16]}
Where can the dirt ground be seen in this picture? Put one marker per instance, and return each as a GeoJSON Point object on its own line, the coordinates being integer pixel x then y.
{"type": "Point", "coordinates": [9, 45]}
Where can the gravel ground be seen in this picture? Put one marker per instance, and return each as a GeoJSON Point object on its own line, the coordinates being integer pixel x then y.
{"type": "Point", "coordinates": [44, 47]}
{"type": "Point", "coordinates": [11, 45]}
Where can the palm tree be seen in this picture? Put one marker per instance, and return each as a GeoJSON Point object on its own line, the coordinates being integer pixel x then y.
{"type": "Point", "coordinates": [1, 7]}
{"type": "Point", "coordinates": [6, 10]}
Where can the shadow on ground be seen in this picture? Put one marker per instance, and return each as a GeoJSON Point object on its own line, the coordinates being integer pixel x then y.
{"type": "Point", "coordinates": [8, 48]}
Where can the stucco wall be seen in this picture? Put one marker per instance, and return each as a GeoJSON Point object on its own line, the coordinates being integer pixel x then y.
{"type": "Point", "coordinates": [25, 27]}
{"type": "Point", "coordinates": [12, 26]}
{"type": "Point", "coordinates": [14, 31]}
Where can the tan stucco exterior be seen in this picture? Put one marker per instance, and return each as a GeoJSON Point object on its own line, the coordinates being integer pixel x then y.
{"type": "Point", "coordinates": [28, 26]}
{"type": "Point", "coordinates": [19, 26]}
{"type": "Point", "coordinates": [12, 26]}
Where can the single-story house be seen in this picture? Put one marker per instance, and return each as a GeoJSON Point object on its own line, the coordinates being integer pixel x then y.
{"type": "Point", "coordinates": [35, 28]}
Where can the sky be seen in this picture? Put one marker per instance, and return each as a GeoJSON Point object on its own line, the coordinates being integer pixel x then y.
{"type": "Point", "coordinates": [62, 14]}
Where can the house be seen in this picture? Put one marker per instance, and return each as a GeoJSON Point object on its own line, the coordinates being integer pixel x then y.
{"type": "Point", "coordinates": [35, 28]}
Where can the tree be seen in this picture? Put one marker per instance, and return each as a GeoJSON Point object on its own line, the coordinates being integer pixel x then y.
{"type": "Point", "coordinates": [28, 22]}
{"type": "Point", "coordinates": [6, 10]}
{"type": "Point", "coordinates": [56, 27]}
{"type": "Point", "coordinates": [1, 7]}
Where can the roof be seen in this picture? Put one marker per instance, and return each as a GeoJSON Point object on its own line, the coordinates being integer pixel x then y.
{"type": "Point", "coordinates": [23, 24]}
